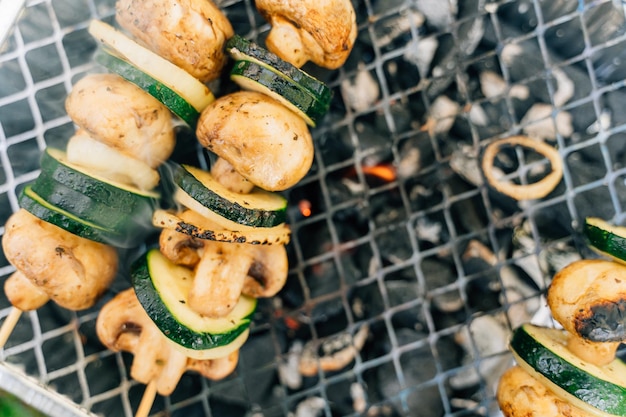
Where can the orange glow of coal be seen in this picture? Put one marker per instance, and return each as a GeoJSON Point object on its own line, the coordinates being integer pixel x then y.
{"type": "Point", "coordinates": [385, 172]}
{"type": "Point", "coordinates": [305, 208]}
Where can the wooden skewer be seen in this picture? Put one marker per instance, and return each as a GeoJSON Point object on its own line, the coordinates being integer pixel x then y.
{"type": "Point", "coordinates": [147, 400]}
{"type": "Point", "coordinates": [8, 325]}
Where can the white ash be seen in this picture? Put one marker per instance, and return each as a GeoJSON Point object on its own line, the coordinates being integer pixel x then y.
{"type": "Point", "coordinates": [510, 52]}
{"type": "Point", "coordinates": [539, 123]}
{"type": "Point", "coordinates": [464, 162]}
{"type": "Point", "coordinates": [359, 400]}
{"type": "Point", "coordinates": [602, 123]}
{"type": "Point", "coordinates": [400, 26]}
{"type": "Point", "coordinates": [439, 13]}
{"type": "Point", "coordinates": [489, 337]}
{"type": "Point", "coordinates": [410, 164]}
{"type": "Point", "coordinates": [519, 297]}
{"type": "Point", "coordinates": [443, 112]}
{"type": "Point", "coordinates": [338, 351]}
{"type": "Point", "coordinates": [428, 231]}
{"type": "Point", "coordinates": [361, 93]}
{"type": "Point", "coordinates": [311, 407]}
{"type": "Point", "coordinates": [355, 187]}
{"type": "Point", "coordinates": [421, 52]}
{"type": "Point", "coordinates": [492, 85]}
{"type": "Point", "coordinates": [478, 116]}
{"type": "Point", "coordinates": [565, 87]}
{"type": "Point", "coordinates": [288, 372]}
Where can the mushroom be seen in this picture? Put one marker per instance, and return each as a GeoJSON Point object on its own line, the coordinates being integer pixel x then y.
{"type": "Point", "coordinates": [225, 270]}
{"type": "Point", "coordinates": [189, 33]}
{"type": "Point", "coordinates": [123, 325]}
{"type": "Point", "coordinates": [180, 248]}
{"type": "Point", "coordinates": [321, 31]}
{"type": "Point", "coordinates": [265, 142]}
{"type": "Point", "coordinates": [126, 118]}
{"type": "Point", "coordinates": [23, 294]}
{"type": "Point", "coordinates": [588, 298]}
{"type": "Point", "coordinates": [228, 176]}
{"type": "Point", "coordinates": [519, 394]}
{"type": "Point", "coordinates": [71, 270]}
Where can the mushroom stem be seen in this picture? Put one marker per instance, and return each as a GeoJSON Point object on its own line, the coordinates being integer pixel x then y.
{"type": "Point", "coordinates": [219, 278]}
{"type": "Point", "coordinates": [228, 176]}
{"type": "Point", "coordinates": [597, 353]}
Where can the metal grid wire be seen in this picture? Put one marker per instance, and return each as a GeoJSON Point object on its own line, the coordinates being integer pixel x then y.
{"type": "Point", "coordinates": [50, 48]}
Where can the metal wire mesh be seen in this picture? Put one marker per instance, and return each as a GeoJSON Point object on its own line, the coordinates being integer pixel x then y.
{"type": "Point", "coordinates": [364, 234]}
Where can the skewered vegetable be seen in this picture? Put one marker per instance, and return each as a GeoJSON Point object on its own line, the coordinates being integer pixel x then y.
{"type": "Point", "coordinates": [319, 31]}
{"type": "Point", "coordinates": [123, 325]}
{"type": "Point", "coordinates": [189, 33]}
{"type": "Point", "coordinates": [264, 141]}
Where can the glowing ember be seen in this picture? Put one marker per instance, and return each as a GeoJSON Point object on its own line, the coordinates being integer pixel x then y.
{"type": "Point", "coordinates": [305, 208]}
{"type": "Point", "coordinates": [386, 172]}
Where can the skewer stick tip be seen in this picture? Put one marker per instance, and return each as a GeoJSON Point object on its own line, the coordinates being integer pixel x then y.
{"type": "Point", "coordinates": [8, 325]}
{"type": "Point", "coordinates": [147, 400]}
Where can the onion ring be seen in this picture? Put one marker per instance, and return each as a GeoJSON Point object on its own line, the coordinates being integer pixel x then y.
{"type": "Point", "coordinates": [536, 190]}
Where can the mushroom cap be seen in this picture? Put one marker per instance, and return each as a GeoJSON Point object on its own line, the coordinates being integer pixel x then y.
{"type": "Point", "coordinates": [188, 33]}
{"type": "Point", "coordinates": [126, 118]}
{"type": "Point", "coordinates": [520, 394]}
{"type": "Point", "coordinates": [322, 31]}
{"type": "Point", "coordinates": [588, 298]}
{"type": "Point", "coordinates": [265, 142]}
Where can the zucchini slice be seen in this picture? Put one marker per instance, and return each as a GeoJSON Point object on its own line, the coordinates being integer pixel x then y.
{"type": "Point", "coordinates": [240, 48]}
{"type": "Point", "coordinates": [179, 80]}
{"type": "Point", "coordinates": [258, 208]}
{"type": "Point", "coordinates": [605, 238]}
{"type": "Point", "coordinates": [170, 98]}
{"type": "Point", "coordinates": [277, 235]}
{"type": "Point", "coordinates": [163, 287]}
{"type": "Point", "coordinates": [83, 207]}
{"type": "Point", "coordinates": [37, 206]}
{"type": "Point", "coordinates": [543, 352]}
{"type": "Point", "coordinates": [122, 197]}
{"type": "Point", "coordinates": [251, 76]}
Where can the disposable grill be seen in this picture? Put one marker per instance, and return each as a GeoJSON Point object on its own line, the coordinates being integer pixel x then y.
{"type": "Point", "coordinates": [402, 258]}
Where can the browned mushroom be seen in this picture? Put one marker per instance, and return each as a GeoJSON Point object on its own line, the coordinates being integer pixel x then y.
{"type": "Point", "coordinates": [123, 325]}
{"type": "Point", "coordinates": [321, 31]}
{"type": "Point", "coordinates": [23, 294]}
{"type": "Point", "coordinates": [225, 270]}
{"type": "Point", "coordinates": [188, 33]}
{"type": "Point", "coordinates": [265, 142]}
{"type": "Point", "coordinates": [72, 271]}
{"type": "Point", "coordinates": [126, 118]}
{"type": "Point", "coordinates": [519, 394]}
{"type": "Point", "coordinates": [588, 298]}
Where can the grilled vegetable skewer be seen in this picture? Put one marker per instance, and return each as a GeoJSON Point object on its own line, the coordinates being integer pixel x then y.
{"type": "Point", "coordinates": [82, 207]}
{"type": "Point", "coordinates": [575, 371]}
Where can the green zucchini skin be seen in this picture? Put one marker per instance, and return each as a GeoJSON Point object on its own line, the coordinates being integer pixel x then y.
{"type": "Point", "coordinates": [38, 207]}
{"type": "Point", "coordinates": [248, 73]}
{"type": "Point", "coordinates": [84, 207]}
{"type": "Point", "coordinates": [160, 314]}
{"type": "Point", "coordinates": [243, 49]}
{"type": "Point", "coordinates": [123, 199]}
{"type": "Point", "coordinates": [607, 397]}
{"type": "Point", "coordinates": [231, 210]}
{"type": "Point", "coordinates": [605, 241]}
{"type": "Point", "coordinates": [171, 99]}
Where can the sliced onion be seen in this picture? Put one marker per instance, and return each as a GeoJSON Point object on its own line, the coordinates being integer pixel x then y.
{"type": "Point", "coordinates": [104, 161]}
{"type": "Point", "coordinates": [536, 190]}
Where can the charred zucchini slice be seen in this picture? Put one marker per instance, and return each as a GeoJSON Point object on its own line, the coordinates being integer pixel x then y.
{"type": "Point", "coordinates": [162, 288]}
{"type": "Point", "coordinates": [543, 352]}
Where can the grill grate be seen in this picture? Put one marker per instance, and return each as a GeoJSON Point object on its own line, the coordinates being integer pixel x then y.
{"type": "Point", "coordinates": [391, 254]}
